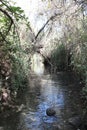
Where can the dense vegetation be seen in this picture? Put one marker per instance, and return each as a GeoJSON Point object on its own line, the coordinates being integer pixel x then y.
{"type": "Point", "coordinates": [13, 58]}
{"type": "Point", "coordinates": [70, 52]}
{"type": "Point", "coordinates": [73, 56]}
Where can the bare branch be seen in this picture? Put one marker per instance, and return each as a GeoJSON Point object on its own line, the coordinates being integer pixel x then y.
{"type": "Point", "coordinates": [51, 18]}
{"type": "Point", "coordinates": [61, 12]}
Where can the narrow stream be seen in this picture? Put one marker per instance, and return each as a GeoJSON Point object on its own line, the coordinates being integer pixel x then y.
{"type": "Point", "coordinates": [59, 91]}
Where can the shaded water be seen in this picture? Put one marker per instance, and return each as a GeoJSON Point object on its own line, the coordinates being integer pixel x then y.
{"type": "Point", "coordinates": [61, 92]}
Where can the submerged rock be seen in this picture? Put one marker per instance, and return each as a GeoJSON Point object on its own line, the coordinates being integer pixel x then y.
{"type": "Point", "coordinates": [50, 112]}
{"type": "Point", "coordinates": [76, 121]}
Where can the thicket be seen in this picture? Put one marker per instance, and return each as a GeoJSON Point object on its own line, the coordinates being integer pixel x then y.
{"type": "Point", "coordinates": [59, 57]}
{"type": "Point", "coordinates": [14, 60]}
{"type": "Point", "coordinates": [79, 55]}
{"type": "Point", "coordinates": [70, 53]}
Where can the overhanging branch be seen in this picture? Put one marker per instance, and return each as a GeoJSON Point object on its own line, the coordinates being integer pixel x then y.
{"type": "Point", "coordinates": [6, 13]}
{"type": "Point", "coordinates": [51, 18]}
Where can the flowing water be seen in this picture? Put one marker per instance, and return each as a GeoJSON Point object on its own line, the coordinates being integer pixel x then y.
{"type": "Point", "coordinates": [58, 91]}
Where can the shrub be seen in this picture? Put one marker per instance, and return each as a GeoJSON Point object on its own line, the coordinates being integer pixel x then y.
{"type": "Point", "coordinates": [59, 57]}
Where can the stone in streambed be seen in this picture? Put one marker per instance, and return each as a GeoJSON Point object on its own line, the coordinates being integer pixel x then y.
{"type": "Point", "coordinates": [75, 121]}
{"type": "Point", "coordinates": [50, 112]}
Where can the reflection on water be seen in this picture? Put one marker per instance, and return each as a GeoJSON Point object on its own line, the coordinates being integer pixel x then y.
{"type": "Point", "coordinates": [60, 92]}
{"type": "Point", "coordinates": [37, 65]}
{"type": "Point", "coordinates": [52, 92]}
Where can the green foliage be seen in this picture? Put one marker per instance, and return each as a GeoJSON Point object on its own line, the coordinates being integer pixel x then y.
{"type": "Point", "coordinates": [10, 17]}
{"type": "Point", "coordinates": [16, 9]}
{"type": "Point", "coordinates": [79, 55]}
{"type": "Point", "coordinates": [19, 77]}
{"type": "Point", "coordinates": [59, 57]}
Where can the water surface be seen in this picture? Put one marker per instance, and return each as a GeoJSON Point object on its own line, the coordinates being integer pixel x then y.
{"type": "Point", "coordinates": [59, 91]}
